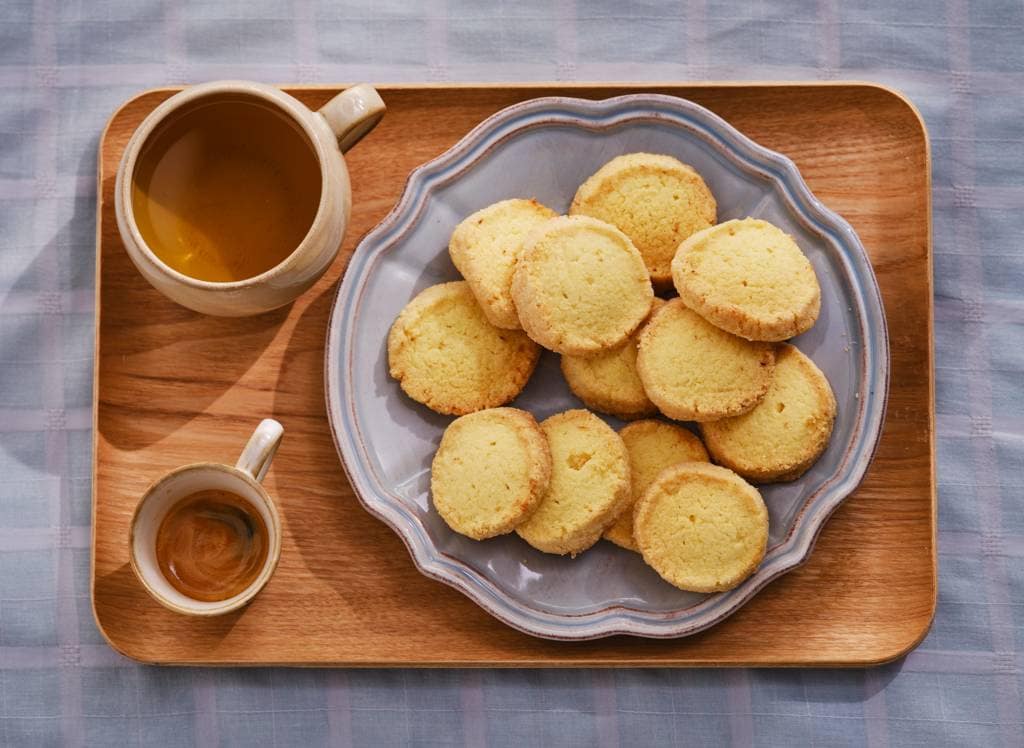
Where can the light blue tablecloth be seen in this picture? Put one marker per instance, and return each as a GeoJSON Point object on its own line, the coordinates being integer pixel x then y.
{"type": "Point", "coordinates": [65, 66]}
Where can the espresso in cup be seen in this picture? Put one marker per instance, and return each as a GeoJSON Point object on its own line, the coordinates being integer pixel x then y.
{"type": "Point", "coordinates": [226, 189]}
{"type": "Point", "coordinates": [211, 545]}
{"type": "Point", "coordinates": [206, 537]}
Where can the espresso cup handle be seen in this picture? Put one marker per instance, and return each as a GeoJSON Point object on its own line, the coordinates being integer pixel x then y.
{"type": "Point", "coordinates": [260, 448]}
{"type": "Point", "coordinates": [353, 113]}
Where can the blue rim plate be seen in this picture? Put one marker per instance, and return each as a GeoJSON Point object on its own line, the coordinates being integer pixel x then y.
{"type": "Point", "coordinates": [544, 148]}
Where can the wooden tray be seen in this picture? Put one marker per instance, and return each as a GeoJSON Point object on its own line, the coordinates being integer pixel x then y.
{"type": "Point", "coordinates": [173, 387]}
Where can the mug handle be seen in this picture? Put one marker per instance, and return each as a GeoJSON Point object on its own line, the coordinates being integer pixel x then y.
{"type": "Point", "coordinates": [353, 113]}
{"type": "Point", "coordinates": [260, 449]}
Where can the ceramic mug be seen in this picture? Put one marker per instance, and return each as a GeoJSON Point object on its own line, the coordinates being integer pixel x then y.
{"type": "Point", "coordinates": [331, 130]}
{"type": "Point", "coordinates": [243, 480]}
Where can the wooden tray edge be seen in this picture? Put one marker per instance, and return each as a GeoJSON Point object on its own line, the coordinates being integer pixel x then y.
{"type": "Point", "coordinates": [596, 663]}
{"type": "Point", "coordinates": [881, 659]}
{"type": "Point", "coordinates": [97, 306]}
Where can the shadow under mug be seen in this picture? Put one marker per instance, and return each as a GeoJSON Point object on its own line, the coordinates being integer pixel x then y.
{"type": "Point", "coordinates": [243, 480]}
{"type": "Point", "coordinates": [330, 131]}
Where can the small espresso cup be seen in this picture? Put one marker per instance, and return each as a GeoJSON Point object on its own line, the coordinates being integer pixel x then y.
{"type": "Point", "coordinates": [327, 133]}
{"type": "Point", "coordinates": [244, 481]}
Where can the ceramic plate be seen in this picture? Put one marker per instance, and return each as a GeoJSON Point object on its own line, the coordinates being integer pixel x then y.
{"type": "Point", "coordinates": [545, 148]}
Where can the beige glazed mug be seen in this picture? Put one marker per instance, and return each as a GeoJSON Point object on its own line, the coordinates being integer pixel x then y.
{"type": "Point", "coordinates": [243, 481]}
{"type": "Point", "coordinates": [326, 133]}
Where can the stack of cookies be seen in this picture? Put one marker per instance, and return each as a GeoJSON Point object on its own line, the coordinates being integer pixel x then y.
{"type": "Point", "coordinates": [583, 286]}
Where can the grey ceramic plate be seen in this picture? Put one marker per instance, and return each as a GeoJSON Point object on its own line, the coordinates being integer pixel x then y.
{"type": "Point", "coordinates": [545, 148]}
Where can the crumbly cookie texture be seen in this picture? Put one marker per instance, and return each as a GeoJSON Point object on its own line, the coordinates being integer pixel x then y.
{"type": "Point", "coordinates": [701, 527]}
{"type": "Point", "coordinates": [786, 432]}
{"type": "Point", "coordinates": [694, 371]}
{"type": "Point", "coordinates": [590, 484]}
{"type": "Point", "coordinates": [750, 278]}
{"type": "Point", "coordinates": [655, 199]}
{"type": "Point", "coordinates": [485, 248]}
{"type": "Point", "coordinates": [652, 446]}
{"type": "Point", "coordinates": [491, 472]}
{"type": "Point", "coordinates": [445, 354]}
{"type": "Point", "coordinates": [608, 381]}
{"type": "Point", "coordinates": [580, 286]}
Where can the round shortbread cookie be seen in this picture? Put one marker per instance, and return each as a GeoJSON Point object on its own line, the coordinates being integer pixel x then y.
{"type": "Point", "coordinates": [590, 484]}
{"type": "Point", "coordinates": [652, 446]}
{"type": "Point", "coordinates": [608, 382]}
{"type": "Point", "coordinates": [580, 286]}
{"type": "Point", "coordinates": [701, 527]}
{"type": "Point", "coordinates": [694, 371]}
{"type": "Point", "coordinates": [446, 355]}
{"type": "Point", "coordinates": [485, 248]}
{"type": "Point", "coordinates": [749, 278]}
{"type": "Point", "coordinates": [786, 432]}
{"type": "Point", "coordinates": [656, 200]}
{"type": "Point", "coordinates": [491, 472]}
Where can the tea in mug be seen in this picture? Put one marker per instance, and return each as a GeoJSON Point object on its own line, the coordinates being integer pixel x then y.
{"type": "Point", "coordinates": [227, 189]}
{"type": "Point", "coordinates": [212, 545]}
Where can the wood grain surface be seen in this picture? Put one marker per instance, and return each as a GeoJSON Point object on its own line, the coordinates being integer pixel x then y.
{"type": "Point", "coordinates": [173, 387]}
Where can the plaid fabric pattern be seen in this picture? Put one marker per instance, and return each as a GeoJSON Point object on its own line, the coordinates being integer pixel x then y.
{"type": "Point", "coordinates": [65, 66]}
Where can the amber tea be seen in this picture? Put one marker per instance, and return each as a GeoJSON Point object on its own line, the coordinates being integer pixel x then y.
{"type": "Point", "coordinates": [226, 190]}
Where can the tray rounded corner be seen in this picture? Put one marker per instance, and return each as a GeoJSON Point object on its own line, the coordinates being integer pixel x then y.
{"type": "Point", "coordinates": [125, 106]}
{"type": "Point", "coordinates": [907, 104]}
{"type": "Point", "coordinates": [97, 618]}
{"type": "Point", "coordinates": [122, 111]}
{"type": "Point", "coordinates": [113, 643]}
{"type": "Point", "coordinates": [905, 644]}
